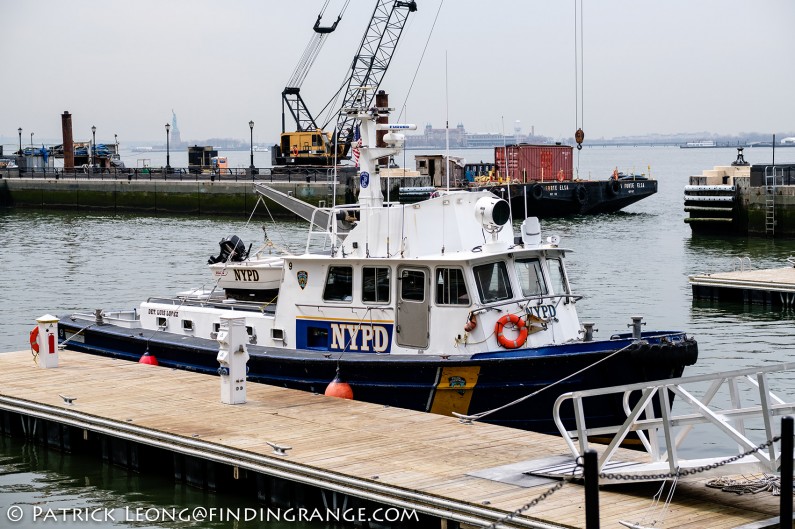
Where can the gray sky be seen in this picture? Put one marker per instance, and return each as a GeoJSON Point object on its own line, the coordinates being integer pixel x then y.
{"type": "Point", "coordinates": [723, 66]}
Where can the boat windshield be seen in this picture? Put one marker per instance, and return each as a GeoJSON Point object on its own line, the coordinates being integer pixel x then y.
{"type": "Point", "coordinates": [530, 277]}
{"type": "Point", "coordinates": [557, 275]}
{"type": "Point", "coordinates": [493, 282]}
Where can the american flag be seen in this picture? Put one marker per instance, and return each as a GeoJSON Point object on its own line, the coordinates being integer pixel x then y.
{"type": "Point", "coordinates": [357, 143]}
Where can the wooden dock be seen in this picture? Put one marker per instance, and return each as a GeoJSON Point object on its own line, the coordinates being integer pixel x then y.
{"type": "Point", "coordinates": [771, 287]}
{"type": "Point", "coordinates": [453, 473]}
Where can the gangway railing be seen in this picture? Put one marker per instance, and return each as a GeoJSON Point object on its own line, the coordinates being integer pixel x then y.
{"type": "Point", "coordinates": [674, 428]}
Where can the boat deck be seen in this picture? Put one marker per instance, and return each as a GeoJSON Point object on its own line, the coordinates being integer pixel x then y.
{"type": "Point", "coordinates": [397, 457]}
{"type": "Point", "coordinates": [773, 286]}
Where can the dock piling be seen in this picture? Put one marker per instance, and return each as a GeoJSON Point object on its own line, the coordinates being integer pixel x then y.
{"type": "Point", "coordinates": [786, 471]}
{"type": "Point", "coordinates": [591, 474]}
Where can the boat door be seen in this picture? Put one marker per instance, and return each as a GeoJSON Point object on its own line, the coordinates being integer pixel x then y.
{"type": "Point", "coordinates": [413, 307]}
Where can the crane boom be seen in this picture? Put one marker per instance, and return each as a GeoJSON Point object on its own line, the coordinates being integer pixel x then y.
{"type": "Point", "coordinates": [291, 95]}
{"type": "Point", "coordinates": [309, 144]}
{"type": "Point", "coordinates": [372, 60]}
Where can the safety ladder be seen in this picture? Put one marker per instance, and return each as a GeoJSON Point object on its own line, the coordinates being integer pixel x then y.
{"type": "Point", "coordinates": [772, 173]}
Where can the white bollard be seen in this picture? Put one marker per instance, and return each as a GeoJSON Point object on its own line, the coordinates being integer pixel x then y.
{"type": "Point", "coordinates": [233, 356]}
{"type": "Point", "coordinates": [44, 341]}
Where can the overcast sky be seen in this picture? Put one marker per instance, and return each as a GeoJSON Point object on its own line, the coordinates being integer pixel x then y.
{"type": "Point", "coordinates": [723, 66]}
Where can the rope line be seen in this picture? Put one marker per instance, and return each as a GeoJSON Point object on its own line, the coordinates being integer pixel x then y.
{"type": "Point", "coordinates": [417, 71]}
{"type": "Point", "coordinates": [486, 413]}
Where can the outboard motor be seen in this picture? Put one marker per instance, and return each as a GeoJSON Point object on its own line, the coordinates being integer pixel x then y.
{"type": "Point", "coordinates": [230, 246]}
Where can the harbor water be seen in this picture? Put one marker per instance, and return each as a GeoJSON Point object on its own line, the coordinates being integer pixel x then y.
{"type": "Point", "coordinates": [635, 262]}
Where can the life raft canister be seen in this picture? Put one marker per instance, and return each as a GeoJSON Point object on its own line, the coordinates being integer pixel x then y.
{"type": "Point", "coordinates": [34, 343]}
{"type": "Point", "coordinates": [561, 176]}
{"type": "Point", "coordinates": [518, 323]}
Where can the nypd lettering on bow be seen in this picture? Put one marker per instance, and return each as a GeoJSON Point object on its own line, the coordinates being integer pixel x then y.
{"type": "Point", "coordinates": [543, 311]}
{"type": "Point", "coordinates": [246, 275]}
{"type": "Point", "coordinates": [365, 338]}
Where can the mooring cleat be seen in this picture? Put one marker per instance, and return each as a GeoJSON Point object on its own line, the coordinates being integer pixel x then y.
{"type": "Point", "coordinates": [68, 400]}
{"type": "Point", "coordinates": [279, 450]}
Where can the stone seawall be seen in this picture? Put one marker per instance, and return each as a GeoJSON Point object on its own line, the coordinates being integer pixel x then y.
{"type": "Point", "coordinates": [157, 196]}
{"type": "Point", "coordinates": [754, 209]}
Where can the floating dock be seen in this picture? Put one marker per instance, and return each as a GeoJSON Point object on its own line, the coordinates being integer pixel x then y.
{"type": "Point", "coordinates": [365, 455]}
{"type": "Point", "coordinates": [774, 287]}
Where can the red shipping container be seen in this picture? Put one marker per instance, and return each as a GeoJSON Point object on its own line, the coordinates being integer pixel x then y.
{"type": "Point", "coordinates": [541, 163]}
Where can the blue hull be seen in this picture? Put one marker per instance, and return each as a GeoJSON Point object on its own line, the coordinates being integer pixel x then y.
{"type": "Point", "coordinates": [468, 385]}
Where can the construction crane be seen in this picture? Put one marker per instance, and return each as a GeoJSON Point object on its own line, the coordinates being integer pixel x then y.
{"type": "Point", "coordinates": [309, 144]}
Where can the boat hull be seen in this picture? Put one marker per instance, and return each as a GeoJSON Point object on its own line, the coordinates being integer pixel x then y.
{"type": "Point", "coordinates": [586, 197]}
{"type": "Point", "coordinates": [467, 384]}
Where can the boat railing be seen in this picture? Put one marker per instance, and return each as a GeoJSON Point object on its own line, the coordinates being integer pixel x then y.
{"type": "Point", "coordinates": [526, 301]}
{"type": "Point", "coordinates": [347, 307]}
{"type": "Point", "coordinates": [738, 420]}
{"type": "Point", "coordinates": [332, 224]}
{"type": "Point", "coordinates": [233, 304]}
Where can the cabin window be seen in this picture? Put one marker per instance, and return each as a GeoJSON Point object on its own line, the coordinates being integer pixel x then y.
{"type": "Point", "coordinates": [451, 289]}
{"type": "Point", "coordinates": [316, 141]}
{"type": "Point", "coordinates": [412, 285]}
{"type": "Point", "coordinates": [530, 277]}
{"type": "Point", "coordinates": [339, 284]}
{"type": "Point", "coordinates": [187, 325]}
{"type": "Point", "coordinates": [557, 275]}
{"type": "Point", "coordinates": [375, 284]}
{"type": "Point", "coordinates": [492, 282]}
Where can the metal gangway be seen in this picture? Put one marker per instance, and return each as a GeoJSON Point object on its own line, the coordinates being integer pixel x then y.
{"type": "Point", "coordinates": [750, 399]}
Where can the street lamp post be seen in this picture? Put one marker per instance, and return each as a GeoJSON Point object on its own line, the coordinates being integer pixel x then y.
{"type": "Point", "coordinates": [31, 139]}
{"type": "Point", "coordinates": [168, 150]}
{"type": "Point", "coordinates": [94, 148]}
{"type": "Point", "coordinates": [20, 140]}
{"type": "Point", "coordinates": [251, 128]}
{"type": "Point", "coordinates": [116, 141]}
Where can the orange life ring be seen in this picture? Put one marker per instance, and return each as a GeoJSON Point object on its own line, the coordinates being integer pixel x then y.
{"type": "Point", "coordinates": [295, 150]}
{"type": "Point", "coordinates": [615, 174]}
{"type": "Point", "coordinates": [518, 323]}
{"type": "Point", "coordinates": [561, 176]}
{"type": "Point", "coordinates": [34, 343]}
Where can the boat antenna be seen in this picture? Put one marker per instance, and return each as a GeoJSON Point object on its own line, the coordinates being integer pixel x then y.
{"type": "Point", "coordinates": [334, 183]}
{"type": "Point", "coordinates": [446, 126]}
{"type": "Point", "coordinates": [579, 135]}
{"type": "Point", "coordinates": [507, 172]}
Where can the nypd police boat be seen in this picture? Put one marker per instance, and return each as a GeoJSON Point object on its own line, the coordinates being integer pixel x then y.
{"type": "Point", "coordinates": [436, 305]}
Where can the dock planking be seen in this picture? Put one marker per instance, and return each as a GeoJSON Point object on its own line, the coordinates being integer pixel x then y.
{"type": "Point", "coordinates": [772, 286]}
{"type": "Point", "coordinates": [389, 455]}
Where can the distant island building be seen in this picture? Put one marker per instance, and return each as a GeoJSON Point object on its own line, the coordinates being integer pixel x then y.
{"type": "Point", "coordinates": [459, 138]}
